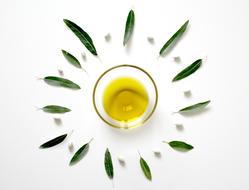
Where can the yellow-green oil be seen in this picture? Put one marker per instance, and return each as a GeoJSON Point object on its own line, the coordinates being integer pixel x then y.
{"type": "Point", "coordinates": [125, 99]}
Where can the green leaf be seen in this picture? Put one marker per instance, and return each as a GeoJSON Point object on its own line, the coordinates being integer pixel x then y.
{"type": "Point", "coordinates": [71, 59]}
{"type": "Point", "coordinates": [174, 38]}
{"type": "Point", "coordinates": [55, 109]}
{"type": "Point", "coordinates": [200, 105]}
{"type": "Point", "coordinates": [145, 168]}
{"type": "Point", "coordinates": [82, 35]}
{"type": "Point", "coordinates": [180, 145]}
{"type": "Point", "coordinates": [80, 153]}
{"type": "Point", "coordinates": [54, 141]}
{"type": "Point", "coordinates": [188, 70]}
{"type": "Point", "coordinates": [108, 164]}
{"type": "Point", "coordinates": [129, 27]}
{"type": "Point", "coordinates": [61, 82]}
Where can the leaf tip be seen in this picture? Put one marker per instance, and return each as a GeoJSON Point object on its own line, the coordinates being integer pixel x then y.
{"type": "Point", "coordinates": [65, 20]}
{"type": "Point", "coordinates": [71, 163]}
{"type": "Point", "coordinates": [208, 101]}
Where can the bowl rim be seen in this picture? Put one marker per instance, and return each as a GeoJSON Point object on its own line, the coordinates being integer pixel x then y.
{"type": "Point", "coordinates": [107, 71]}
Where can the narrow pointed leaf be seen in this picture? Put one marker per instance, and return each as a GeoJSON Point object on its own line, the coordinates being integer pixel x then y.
{"type": "Point", "coordinates": [129, 27]}
{"type": "Point", "coordinates": [174, 38]}
{"type": "Point", "coordinates": [71, 59]}
{"type": "Point", "coordinates": [188, 70]}
{"type": "Point", "coordinates": [180, 146]}
{"type": "Point", "coordinates": [80, 154]}
{"type": "Point", "coordinates": [200, 105]}
{"type": "Point", "coordinates": [145, 168]}
{"type": "Point", "coordinates": [54, 141]}
{"type": "Point", "coordinates": [55, 109]}
{"type": "Point", "coordinates": [82, 35]}
{"type": "Point", "coordinates": [108, 164]}
{"type": "Point", "coordinates": [61, 82]}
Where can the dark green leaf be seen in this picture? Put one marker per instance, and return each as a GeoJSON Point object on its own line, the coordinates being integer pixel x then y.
{"type": "Point", "coordinates": [180, 146]}
{"type": "Point", "coordinates": [188, 70]}
{"type": "Point", "coordinates": [71, 59]}
{"type": "Point", "coordinates": [174, 38]}
{"type": "Point", "coordinates": [82, 35]}
{"type": "Point", "coordinates": [129, 27]}
{"type": "Point", "coordinates": [55, 109]}
{"type": "Point", "coordinates": [54, 141]}
{"type": "Point", "coordinates": [80, 154]}
{"type": "Point", "coordinates": [145, 168]}
{"type": "Point", "coordinates": [61, 82]}
{"type": "Point", "coordinates": [194, 107]}
{"type": "Point", "coordinates": [108, 164]}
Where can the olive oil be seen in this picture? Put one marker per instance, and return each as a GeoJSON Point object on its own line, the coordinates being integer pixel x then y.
{"type": "Point", "coordinates": [125, 99]}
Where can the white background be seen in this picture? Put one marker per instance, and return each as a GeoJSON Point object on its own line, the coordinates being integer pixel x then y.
{"type": "Point", "coordinates": [32, 34]}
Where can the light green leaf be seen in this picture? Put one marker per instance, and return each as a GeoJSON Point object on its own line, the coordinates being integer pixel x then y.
{"type": "Point", "coordinates": [174, 38]}
{"type": "Point", "coordinates": [55, 109]}
{"type": "Point", "coordinates": [71, 59]}
{"type": "Point", "coordinates": [61, 82]}
{"type": "Point", "coordinates": [180, 145]}
{"type": "Point", "coordinates": [200, 105]}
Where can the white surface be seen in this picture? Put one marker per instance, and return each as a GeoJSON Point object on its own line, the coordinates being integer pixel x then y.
{"type": "Point", "coordinates": [31, 36]}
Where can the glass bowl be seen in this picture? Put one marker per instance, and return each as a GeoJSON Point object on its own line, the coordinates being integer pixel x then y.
{"type": "Point", "coordinates": [125, 71]}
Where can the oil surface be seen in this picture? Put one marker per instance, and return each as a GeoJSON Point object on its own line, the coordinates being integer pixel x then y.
{"type": "Point", "coordinates": [125, 99]}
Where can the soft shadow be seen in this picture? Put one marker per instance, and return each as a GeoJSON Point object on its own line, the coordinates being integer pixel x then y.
{"type": "Point", "coordinates": [179, 127]}
{"type": "Point", "coordinates": [181, 150]}
{"type": "Point", "coordinates": [129, 43]}
{"type": "Point", "coordinates": [58, 121]}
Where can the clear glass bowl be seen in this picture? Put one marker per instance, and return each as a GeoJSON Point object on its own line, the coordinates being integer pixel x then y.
{"type": "Point", "coordinates": [125, 71]}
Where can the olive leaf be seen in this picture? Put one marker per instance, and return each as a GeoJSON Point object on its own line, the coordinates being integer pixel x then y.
{"type": "Point", "coordinates": [80, 153]}
{"type": "Point", "coordinates": [61, 82]}
{"type": "Point", "coordinates": [71, 59]}
{"type": "Point", "coordinates": [82, 35]}
{"type": "Point", "coordinates": [55, 109]}
{"type": "Point", "coordinates": [188, 70]}
{"type": "Point", "coordinates": [145, 168]}
{"type": "Point", "coordinates": [129, 27]}
{"type": "Point", "coordinates": [174, 38]}
{"type": "Point", "coordinates": [200, 105]}
{"type": "Point", "coordinates": [180, 145]}
{"type": "Point", "coordinates": [54, 141]}
{"type": "Point", "coordinates": [108, 164]}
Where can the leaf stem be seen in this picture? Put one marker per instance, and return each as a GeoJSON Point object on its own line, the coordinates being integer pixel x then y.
{"type": "Point", "coordinates": [99, 59]}
{"type": "Point", "coordinates": [139, 153]}
{"type": "Point", "coordinates": [90, 140]}
{"type": "Point", "coordinates": [165, 142]}
{"type": "Point", "coordinates": [112, 184]}
{"type": "Point", "coordinates": [174, 112]}
{"type": "Point", "coordinates": [37, 109]}
{"type": "Point", "coordinates": [84, 70]}
{"type": "Point", "coordinates": [39, 78]}
{"type": "Point", "coordinates": [69, 134]}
